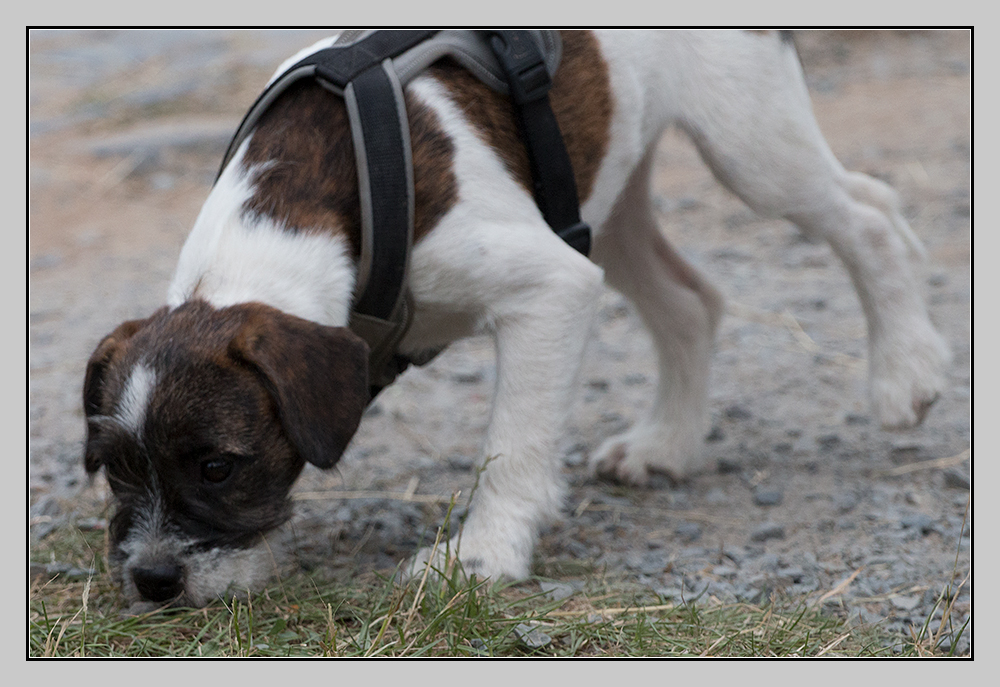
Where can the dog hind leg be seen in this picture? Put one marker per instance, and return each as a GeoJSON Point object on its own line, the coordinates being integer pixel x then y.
{"type": "Point", "coordinates": [753, 124]}
{"type": "Point", "coordinates": [681, 311]}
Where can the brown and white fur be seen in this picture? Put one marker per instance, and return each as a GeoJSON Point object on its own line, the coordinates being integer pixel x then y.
{"type": "Point", "coordinates": [204, 414]}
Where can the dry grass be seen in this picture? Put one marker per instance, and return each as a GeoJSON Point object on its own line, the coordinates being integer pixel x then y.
{"type": "Point", "coordinates": [434, 615]}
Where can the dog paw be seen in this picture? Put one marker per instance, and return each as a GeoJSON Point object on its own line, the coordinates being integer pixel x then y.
{"type": "Point", "coordinates": [632, 457]}
{"type": "Point", "coordinates": [906, 382]}
{"type": "Point", "coordinates": [469, 558]}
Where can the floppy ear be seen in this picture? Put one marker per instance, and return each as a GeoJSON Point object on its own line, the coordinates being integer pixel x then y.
{"type": "Point", "coordinates": [93, 384]}
{"type": "Point", "coordinates": [317, 375]}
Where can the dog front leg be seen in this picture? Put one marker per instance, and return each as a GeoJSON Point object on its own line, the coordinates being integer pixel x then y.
{"type": "Point", "coordinates": [540, 326]}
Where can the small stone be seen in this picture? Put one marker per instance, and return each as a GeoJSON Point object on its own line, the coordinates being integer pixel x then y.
{"type": "Point", "coordinates": [670, 592]}
{"type": "Point", "coordinates": [768, 562]}
{"type": "Point", "coordinates": [457, 461]}
{"type": "Point", "coordinates": [918, 521]}
{"type": "Point", "coordinates": [828, 442]}
{"type": "Point", "coordinates": [768, 530]}
{"type": "Point", "coordinates": [688, 531]}
{"type": "Point", "coordinates": [792, 572]}
{"type": "Point", "coordinates": [716, 434]}
{"type": "Point", "coordinates": [860, 616]}
{"type": "Point", "coordinates": [92, 524]}
{"type": "Point", "coordinates": [716, 497]}
{"type": "Point", "coordinates": [727, 466]}
{"type": "Point", "coordinates": [904, 451]}
{"type": "Point", "coordinates": [954, 479]}
{"type": "Point", "coordinates": [601, 385]}
{"type": "Point", "coordinates": [531, 636]}
{"type": "Point", "coordinates": [635, 379]}
{"type": "Point", "coordinates": [45, 261]}
{"type": "Point", "coordinates": [905, 603]}
{"type": "Point", "coordinates": [764, 496]}
{"type": "Point", "coordinates": [737, 412]}
{"type": "Point", "coordinates": [557, 591]}
{"type": "Point", "coordinates": [846, 501]}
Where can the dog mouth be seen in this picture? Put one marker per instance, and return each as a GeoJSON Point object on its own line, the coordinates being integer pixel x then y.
{"type": "Point", "coordinates": [170, 573]}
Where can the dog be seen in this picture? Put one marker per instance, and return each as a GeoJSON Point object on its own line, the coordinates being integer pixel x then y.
{"type": "Point", "coordinates": [204, 414]}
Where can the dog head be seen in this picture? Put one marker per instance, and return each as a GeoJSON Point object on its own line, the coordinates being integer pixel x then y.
{"type": "Point", "coordinates": [202, 419]}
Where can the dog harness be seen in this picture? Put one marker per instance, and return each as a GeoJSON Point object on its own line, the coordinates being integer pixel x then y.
{"type": "Point", "coordinates": [368, 69]}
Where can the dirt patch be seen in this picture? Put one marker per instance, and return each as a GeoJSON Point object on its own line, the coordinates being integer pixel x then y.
{"type": "Point", "coordinates": [126, 132]}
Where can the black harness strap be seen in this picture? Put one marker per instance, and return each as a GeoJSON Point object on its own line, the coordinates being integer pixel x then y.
{"type": "Point", "coordinates": [384, 161]}
{"type": "Point", "coordinates": [551, 170]}
{"type": "Point", "coordinates": [363, 73]}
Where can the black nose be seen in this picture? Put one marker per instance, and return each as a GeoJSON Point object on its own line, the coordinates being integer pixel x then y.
{"type": "Point", "coordinates": [159, 582]}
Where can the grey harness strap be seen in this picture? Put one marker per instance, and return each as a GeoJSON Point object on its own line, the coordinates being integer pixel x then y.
{"type": "Point", "coordinates": [369, 70]}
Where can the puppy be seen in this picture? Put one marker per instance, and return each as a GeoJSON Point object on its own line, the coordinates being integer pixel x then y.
{"type": "Point", "coordinates": [204, 414]}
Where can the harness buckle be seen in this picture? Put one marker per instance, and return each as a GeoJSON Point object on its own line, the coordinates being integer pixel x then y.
{"type": "Point", "coordinates": [527, 76]}
{"type": "Point", "coordinates": [578, 236]}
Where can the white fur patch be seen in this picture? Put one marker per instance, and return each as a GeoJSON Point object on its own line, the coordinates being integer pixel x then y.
{"type": "Point", "coordinates": [131, 410]}
{"type": "Point", "coordinates": [231, 258]}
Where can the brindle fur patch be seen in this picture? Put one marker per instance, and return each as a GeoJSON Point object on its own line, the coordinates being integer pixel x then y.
{"type": "Point", "coordinates": [310, 181]}
{"type": "Point", "coordinates": [580, 98]}
{"type": "Point", "coordinates": [309, 178]}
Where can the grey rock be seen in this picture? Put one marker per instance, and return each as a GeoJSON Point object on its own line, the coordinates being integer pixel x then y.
{"type": "Point", "coordinates": [557, 591]}
{"type": "Point", "coordinates": [918, 521]}
{"type": "Point", "coordinates": [716, 496]}
{"type": "Point", "coordinates": [767, 496]}
{"type": "Point", "coordinates": [92, 524]}
{"type": "Point", "coordinates": [905, 603]}
{"type": "Point", "coordinates": [457, 461]}
{"type": "Point", "coordinates": [635, 379]}
{"type": "Point", "coordinates": [578, 549]}
{"type": "Point", "coordinates": [955, 479]}
{"type": "Point", "coordinates": [793, 573]}
{"type": "Point", "coordinates": [45, 261]}
{"type": "Point", "coordinates": [768, 530]}
{"type": "Point", "coordinates": [846, 501]}
{"type": "Point", "coordinates": [860, 616]}
{"type": "Point", "coordinates": [768, 562]}
{"type": "Point", "coordinates": [671, 592]}
{"type": "Point", "coordinates": [737, 412]}
{"type": "Point", "coordinates": [727, 466]}
{"type": "Point", "coordinates": [532, 636]}
{"type": "Point", "coordinates": [828, 442]}
{"type": "Point", "coordinates": [688, 531]}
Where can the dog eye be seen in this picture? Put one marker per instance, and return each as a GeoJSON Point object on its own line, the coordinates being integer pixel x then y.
{"type": "Point", "coordinates": [216, 471]}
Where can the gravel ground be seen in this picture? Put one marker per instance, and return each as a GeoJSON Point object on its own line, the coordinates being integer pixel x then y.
{"type": "Point", "coordinates": [126, 129]}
